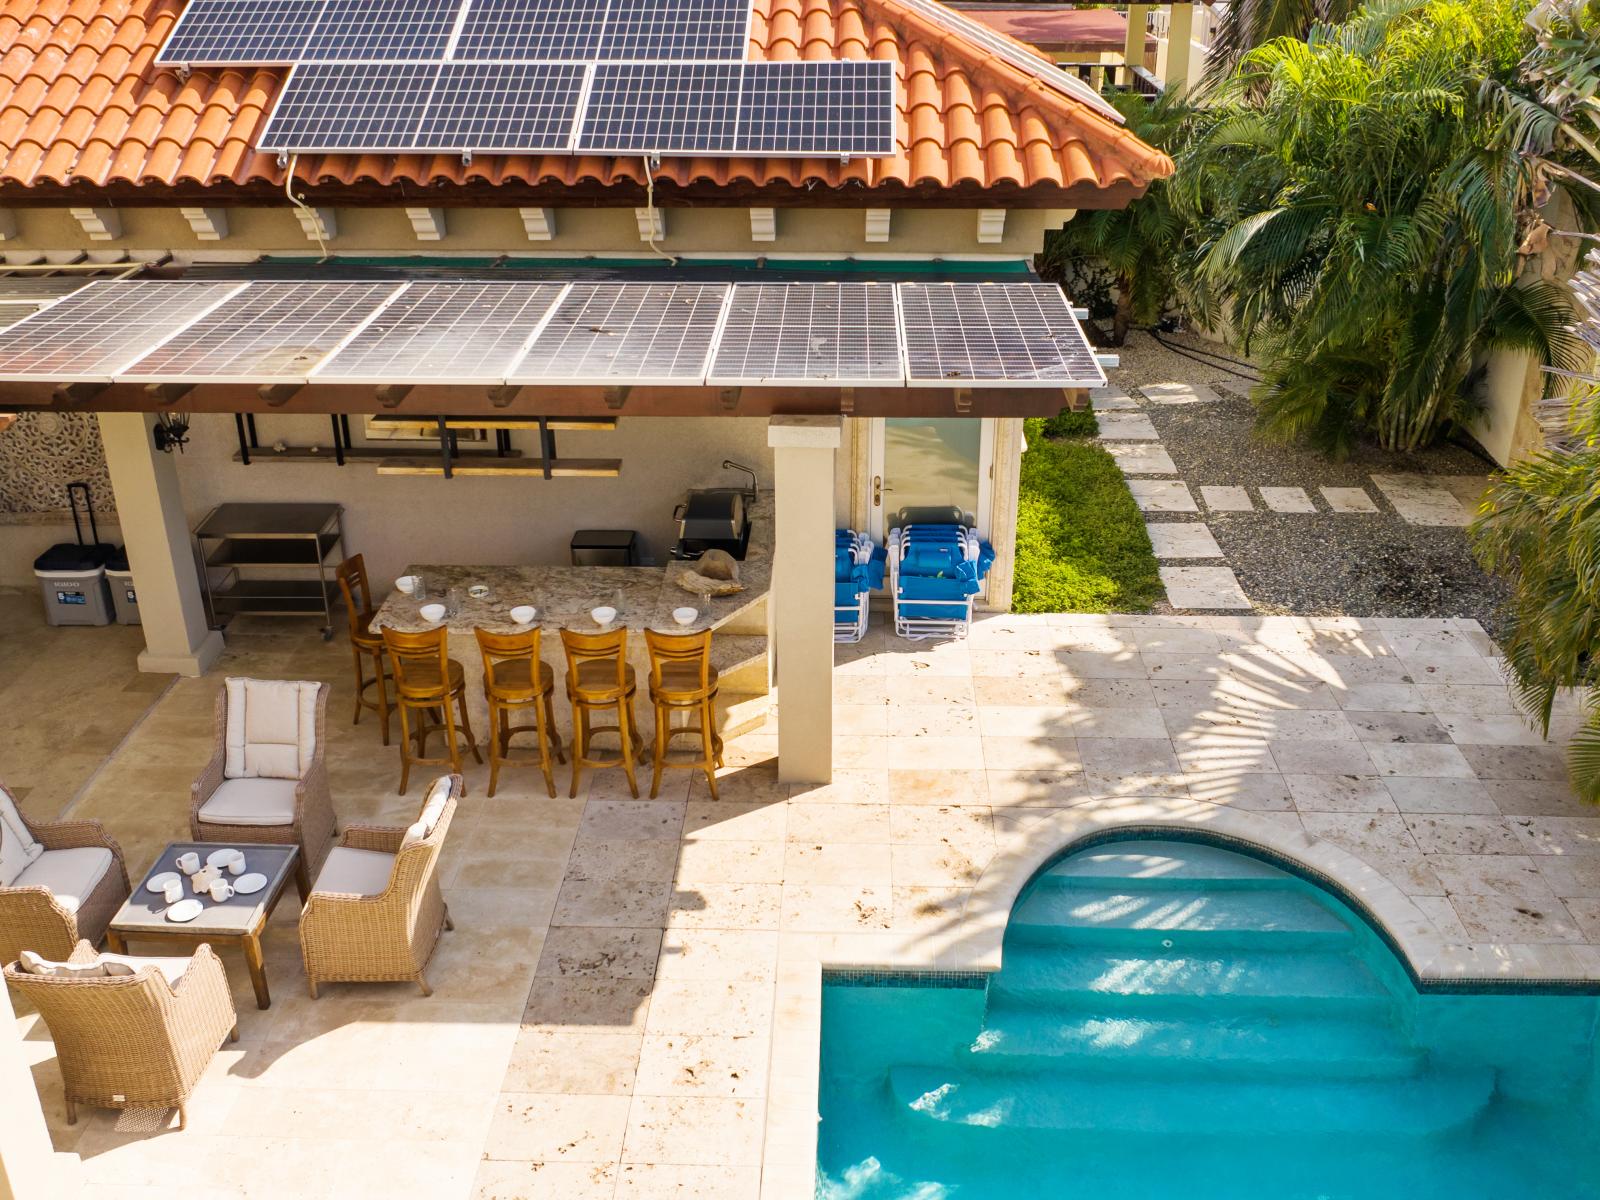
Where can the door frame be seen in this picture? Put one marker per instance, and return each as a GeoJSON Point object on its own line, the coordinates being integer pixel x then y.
{"type": "Point", "coordinates": [871, 494]}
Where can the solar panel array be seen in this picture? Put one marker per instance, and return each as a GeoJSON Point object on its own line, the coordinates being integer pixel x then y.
{"type": "Point", "coordinates": [986, 333]}
{"type": "Point", "coordinates": [249, 32]}
{"type": "Point", "coordinates": [548, 76]}
{"type": "Point", "coordinates": [847, 334]}
{"type": "Point", "coordinates": [839, 333]}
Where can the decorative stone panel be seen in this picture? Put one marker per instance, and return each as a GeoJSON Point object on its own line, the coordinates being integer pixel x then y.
{"type": "Point", "coordinates": [43, 452]}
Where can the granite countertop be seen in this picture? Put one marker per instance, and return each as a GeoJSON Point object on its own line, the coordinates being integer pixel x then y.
{"type": "Point", "coordinates": [643, 596]}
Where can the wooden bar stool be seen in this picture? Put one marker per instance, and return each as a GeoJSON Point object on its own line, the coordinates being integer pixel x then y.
{"type": "Point", "coordinates": [682, 680]}
{"type": "Point", "coordinates": [598, 678]}
{"type": "Point", "coordinates": [426, 680]}
{"type": "Point", "coordinates": [352, 577]}
{"type": "Point", "coordinates": [516, 678]}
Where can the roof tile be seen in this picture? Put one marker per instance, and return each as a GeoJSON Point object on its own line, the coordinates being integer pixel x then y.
{"type": "Point", "coordinates": [82, 101]}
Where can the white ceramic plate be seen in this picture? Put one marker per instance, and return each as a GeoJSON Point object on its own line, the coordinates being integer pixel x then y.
{"type": "Point", "coordinates": [158, 883]}
{"type": "Point", "coordinates": [220, 858]}
{"type": "Point", "coordinates": [185, 910]}
{"type": "Point", "coordinates": [248, 885]}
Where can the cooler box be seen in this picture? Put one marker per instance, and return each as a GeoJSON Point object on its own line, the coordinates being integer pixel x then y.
{"type": "Point", "coordinates": [72, 580]}
{"type": "Point", "coordinates": [124, 602]}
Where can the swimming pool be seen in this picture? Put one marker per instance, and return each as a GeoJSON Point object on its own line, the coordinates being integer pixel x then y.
{"type": "Point", "coordinates": [1177, 1020]}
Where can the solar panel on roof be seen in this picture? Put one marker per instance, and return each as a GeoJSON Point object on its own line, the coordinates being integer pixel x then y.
{"type": "Point", "coordinates": [677, 107]}
{"type": "Point", "coordinates": [544, 29]}
{"type": "Point", "coordinates": [655, 30]}
{"type": "Point", "coordinates": [640, 333]}
{"type": "Point", "coordinates": [270, 333]}
{"type": "Point", "coordinates": [91, 334]}
{"type": "Point", "coordinates": [509, 107]}
{"type": "Point", "coordinates": [382, 30]}
{"type": "Point", "coordinates": [350, 106]}
{"type": "Point", "coordinates": [816, 108]}
{"type": "Point", "coordinates": [218, 32]}
{"type": "Point", "coordinates": [1018, 334]}
{"type": "Point", "coordinates": [841, 333]}
{"type": "Point", "coordinates": [469, 333]}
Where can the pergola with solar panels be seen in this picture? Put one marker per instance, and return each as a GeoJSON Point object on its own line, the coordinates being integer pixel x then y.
{"type": "Point", "coordinates": [647, 78]}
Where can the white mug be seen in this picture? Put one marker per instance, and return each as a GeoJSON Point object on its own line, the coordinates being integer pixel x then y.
{"type": "Point", "coordinates": [221, 890]}
{"type": "Point", "coordinates": [189, 863]}
{"type": "Point", "coordinates": [236, 863]}
{"type": "Point", "coordinates": [173, 892]}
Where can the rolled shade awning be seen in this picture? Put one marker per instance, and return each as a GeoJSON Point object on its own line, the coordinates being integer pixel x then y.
{"type": "Point", "coordinates": [335, 340]}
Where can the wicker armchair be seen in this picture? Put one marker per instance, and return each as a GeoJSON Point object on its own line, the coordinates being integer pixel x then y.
{"type": "Point", "coordinates": [376, 911]}
{"type": "Point", "coordinates": [47, 909]}
{"type": "Point", "coordinates": [267, 781]}
{"type": "Point", "coordinates": [140, 1040]}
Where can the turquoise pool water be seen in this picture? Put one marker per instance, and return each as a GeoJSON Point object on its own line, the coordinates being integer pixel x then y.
{"type": "Point", "coordinates": [1175, 1020]}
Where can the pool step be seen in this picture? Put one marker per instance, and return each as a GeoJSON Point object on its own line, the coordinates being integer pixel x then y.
{"type": "Point", "coordinates": [1152, 865]}
{"type": "Point", "coordinates": [1219, 986]}
{"type": "Point", "coordinates": [1029, 1040]}
{"type": "Point", "coordinates": [1426, 1104]}
{"type": "Point", "coordinates": [1178, 918]}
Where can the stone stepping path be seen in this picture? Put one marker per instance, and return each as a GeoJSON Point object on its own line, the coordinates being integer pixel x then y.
{"type": "Point", "coordinates": [1127, 427]}
{"type": "Point", "coordinates": [1179, 393]}
{"type": "Point", "coordinates": [1226, 498]}
{"type": "Point", "coordinates": [1349, 500]}
{"type": "Point", "coordinates": [1430, 500]}
{"type": "Point", "coordinates": [1182, 539]}
{"type": "Point", "coordinates": [1142, 458]}
{"type": "Point", "coordinates": [1110, 399]}
{"type": "Point", "coordinates": [1287, 500]}
{"type": "Point", "coordinates": [1162, 495]}
{"type": "Point", "coordinates": [1204, 587]}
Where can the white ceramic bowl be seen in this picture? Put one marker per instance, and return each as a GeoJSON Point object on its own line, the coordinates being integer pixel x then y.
{"type": "Point", "coordinates": [603, 615]}
{"type": "Point", "coordinates": [685, 616]}
{"type": "Point", "coordinates": [432, 612]}
{"type": "Point", "coordinates": [407, 584]}
{"type": "Point", "coordinates": [523, 614]}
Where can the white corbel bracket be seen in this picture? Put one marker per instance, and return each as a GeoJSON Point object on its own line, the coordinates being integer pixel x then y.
{"type": "Point", "coordinates": [878, 224]}
{"type": "Point", "coordinates": [991, 226]}
{"type": "Point", "coordinates": [539, 223]}
{"type": "Point", "coordinates": [208, 224]}
{"type": "Point", "coordinates": [427, 223]}
{"type": "Point", "coordinates": [763, 224]}
{"type": "Point", "coordinates": [101, 224]}
{"type": "Point", "coordinates": [317, 222]}
{"type": "Point", "coordinates": [652, 224]}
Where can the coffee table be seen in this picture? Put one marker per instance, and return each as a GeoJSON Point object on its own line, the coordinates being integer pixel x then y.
{"type": "Point", "coordinates": [238, 920]}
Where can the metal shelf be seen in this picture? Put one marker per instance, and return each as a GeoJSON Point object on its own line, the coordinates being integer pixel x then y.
{"type": "Point", "coordinates": [302, 541]}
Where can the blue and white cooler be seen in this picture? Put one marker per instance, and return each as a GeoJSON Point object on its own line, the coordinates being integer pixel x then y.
{"type": "Point", "coordinates": [72, 576]}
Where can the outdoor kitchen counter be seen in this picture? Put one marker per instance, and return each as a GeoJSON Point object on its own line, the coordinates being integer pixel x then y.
{"type": "Point", "coordinates": [564, 595]}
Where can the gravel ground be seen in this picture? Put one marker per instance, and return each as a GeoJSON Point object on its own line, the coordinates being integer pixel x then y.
{"type": "Point", "coordinates": [1362, 565]}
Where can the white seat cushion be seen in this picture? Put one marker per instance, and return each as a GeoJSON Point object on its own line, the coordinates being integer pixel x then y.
{"type": "Point", "coordinates": [251, 802]}
{"type": "Point", "coordinates": [17, 845]}
{"type": "Point", "coordinates": [355, 872]}
{"type": "Point", "coordinates": [172, 969]}
{"type": "Point", "coordinates": [271, 730]}
{"type": "Point", "coordinates": [69, 874]}
{"type": "Point", "coordinates": [32, 964]}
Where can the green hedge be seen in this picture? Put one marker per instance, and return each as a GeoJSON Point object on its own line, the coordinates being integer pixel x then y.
{"type": "Point", "coordinates": [1081, 541]}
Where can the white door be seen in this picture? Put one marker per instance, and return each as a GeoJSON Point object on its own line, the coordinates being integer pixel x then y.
{"type": "Point", "coordinates": [937, 461]}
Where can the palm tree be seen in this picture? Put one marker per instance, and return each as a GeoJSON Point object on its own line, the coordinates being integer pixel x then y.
{"type": "Point", "coordinates": [1245, 24]}
{"type": "Point", "coordinates": [1141, 244]}
{"type": "Point", "coordinates": [1357, 198]}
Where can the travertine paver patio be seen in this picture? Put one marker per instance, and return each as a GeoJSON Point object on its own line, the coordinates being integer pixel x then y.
{"type": "Point", "coordinates": [629, 1004]}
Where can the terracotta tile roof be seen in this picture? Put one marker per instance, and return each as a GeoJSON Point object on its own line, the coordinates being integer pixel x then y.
{"type": "Point", "coordinates": [84, 112]}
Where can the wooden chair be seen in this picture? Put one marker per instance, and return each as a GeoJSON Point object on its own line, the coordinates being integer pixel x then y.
{"type": "Point", "coordinates": [515, 678]}
{"type": "Point", "coordinates": [598, 678]}
{"type": "Point", "coordinates": [140, 1038]}
{"type": "Point", "coordinates": [352, 577]}
{"type": "Point", "coordinates": [682, 680]}
{"type": "Point", "coordinates": [376, 911]}
{"type": "Point", "coordinates": [426, 681]}
{"type": "Point", "coordinates": [267, 780]}
{"type": "Point", "coordinates": [60, 882]}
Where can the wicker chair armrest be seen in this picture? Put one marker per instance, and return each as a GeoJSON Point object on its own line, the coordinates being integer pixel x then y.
{"type": "Point", "coordinates": [313, 803]}
{"type": "Point", "coordinates": [83, 952]}
{"type": "Point", "coordinates": [207, 782]}
{"type": "Point", "coordinates": [384, 838]}
{"type": "Point", "coordinates": [73, 835]}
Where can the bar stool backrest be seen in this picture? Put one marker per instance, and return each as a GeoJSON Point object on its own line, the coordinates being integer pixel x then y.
{"type": "Point", "coordinates": [421, 661]}
{"type": "Point", "coordinates": [352, 577]}
{"type": "Point", "coordinates": [508, 647]}
{"type": "Point", "coordinates": [585, 648]}
{"type": "Point", "coordinates": [692, 650]}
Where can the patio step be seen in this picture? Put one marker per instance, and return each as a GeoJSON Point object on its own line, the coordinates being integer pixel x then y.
{"type": "Point", "coordinates": [1153, 865]}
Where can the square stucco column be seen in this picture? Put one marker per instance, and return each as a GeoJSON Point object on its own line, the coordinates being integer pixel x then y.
{"type": "Point", "coordinates": [150, 509]}
{"type": "Point", "coordinates": [802, 593]}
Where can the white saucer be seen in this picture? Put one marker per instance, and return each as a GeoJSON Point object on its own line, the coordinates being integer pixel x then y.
{"type": "Point", "coordinates": [221, 858]}
{"type": "Point", "coordinates": [185, 910]}
{"type": "Point", "coordinates": [249, 885]}
{"type": "Point", "coordinates": [158, 883]}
